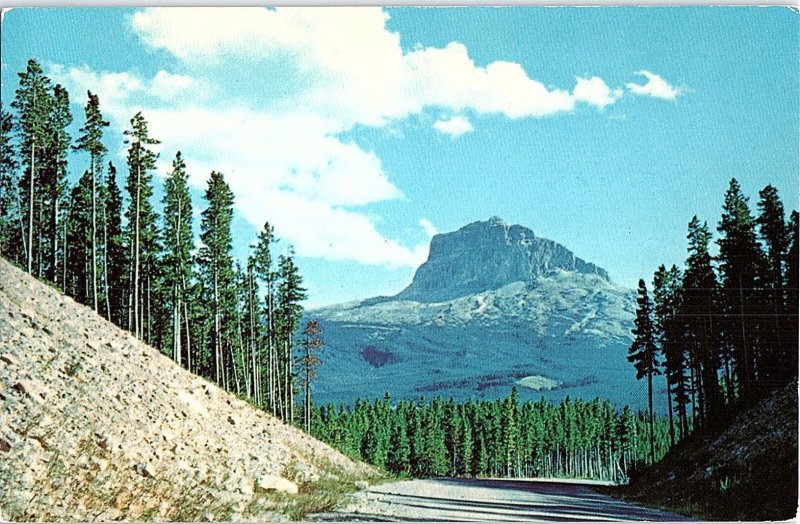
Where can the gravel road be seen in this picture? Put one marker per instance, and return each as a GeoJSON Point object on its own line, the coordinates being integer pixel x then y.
{"type": "Point", "coordinates": [490, 500]}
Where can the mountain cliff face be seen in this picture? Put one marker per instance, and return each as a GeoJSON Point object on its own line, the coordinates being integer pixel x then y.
{"type": "Point", "coordinates": [488, 255]}
{"type": "Point", "coordinates": [494, 306]}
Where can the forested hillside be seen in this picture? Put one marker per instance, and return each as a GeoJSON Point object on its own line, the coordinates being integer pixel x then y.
{"type": "Point", "coordinates": [104, 241]}
{"type": "Point", "coordinates": [724, 328]}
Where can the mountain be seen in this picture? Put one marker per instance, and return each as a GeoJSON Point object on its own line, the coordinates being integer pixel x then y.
{"type": "Point", "coordinates": [492, 307]}
{"type": "Point", "coordinates": [97, 426]}
{"type": "Point", "coordinates": [484, 256]}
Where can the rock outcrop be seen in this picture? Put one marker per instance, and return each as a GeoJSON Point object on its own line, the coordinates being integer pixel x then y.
{"type": "Point", "coordinates": [96, 425]}
{"type": "Point", "coordinates": [488, 255]}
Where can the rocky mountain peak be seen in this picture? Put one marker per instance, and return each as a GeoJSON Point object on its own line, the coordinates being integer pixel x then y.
{"type": "Point", "coordinates": [487, 255]}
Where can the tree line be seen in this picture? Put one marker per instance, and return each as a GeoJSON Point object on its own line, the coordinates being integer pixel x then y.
{"type": "Point", "coordinates": [723, 329]}
{"type": "Point", "coordinates": [141, 269]}
{"type": "Point", "coordinates": [500, 438]}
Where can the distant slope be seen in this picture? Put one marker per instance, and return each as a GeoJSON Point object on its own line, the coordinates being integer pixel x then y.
{"type": "Point", "coordinates": [95, 425]}
{"type": "Point", "coordinates": [493, 304]}
{"type": "Point", "coordinates": [746, 472]}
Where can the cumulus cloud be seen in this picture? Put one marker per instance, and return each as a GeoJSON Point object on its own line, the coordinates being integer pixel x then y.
{"type": "Point", "coordinates": [655, 86]}
{"type": "Point", "coordinates": [455, 127]}
{"type": "Point", "coordinates": [595, 91]}
{"type": "Point", "coordinates": [267, 95]}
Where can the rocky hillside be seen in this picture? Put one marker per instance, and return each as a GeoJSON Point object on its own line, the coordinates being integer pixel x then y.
{"type": "Point", "coordinates": [493, 307]}
{"type": "Point", "coordinates": [746, 472]}
{"type": "Point", "coordinates": [95, 425]}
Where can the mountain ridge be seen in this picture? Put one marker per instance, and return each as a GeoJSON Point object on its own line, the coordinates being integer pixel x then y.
{"type": "Point", "coordinates": [486, 255]}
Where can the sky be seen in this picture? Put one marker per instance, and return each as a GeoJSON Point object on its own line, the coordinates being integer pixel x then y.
{"type": "Point", "coordinates": [361, 132]}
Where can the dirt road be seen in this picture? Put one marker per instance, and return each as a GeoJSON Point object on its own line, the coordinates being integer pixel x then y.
{"type": "Point", "coordinates": [490, 500]}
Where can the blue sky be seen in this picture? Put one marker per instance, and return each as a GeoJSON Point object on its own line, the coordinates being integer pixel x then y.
{"type": "Point", "coordinates": [360, 132]}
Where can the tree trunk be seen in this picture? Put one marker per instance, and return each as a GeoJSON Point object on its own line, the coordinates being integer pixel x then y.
{"type": "Point", "coordinates": [30, 207]}
{"type": "Point", "coordinates": [137, 325]}
{"type": "Point", "coordinates": [650, 402]}
{"type": "Point", "coordinates": [94, 236]}
{"type": "Point", "coordinates": [216, 328]}
{"type": "Point", "coordinates": [54, 238]}
{"type": "Point", "coordinates": [105, 264]}
{"type": "Point", "coordinates": [669, 408]}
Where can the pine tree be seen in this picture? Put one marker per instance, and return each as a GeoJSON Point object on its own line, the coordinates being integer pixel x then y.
{"type": "Point", "coordinates": [398, 459]}
{"type": "Point", "coordinates": [142, 234]}
{"type": "Point", "coordinates": [10, 219]}
{"type": "Point", "coordinates": [116, 278]}
{"type": "Point", "coordinates": [667, 298]}
{"type": "Point", "coordinates": [643, 352]}
{"type": "Point", "coordinates": [217, 267]}
{"type": "Point", "coordinates": [288, 312]}
{"type": "Point", "coordinates": [792, 291]}
{"type": "Point", "coordinates": [773, 232]}
{"type": "Point", "coordinates": [264, 270]}
{"type": "Point", "coordinates": [510, 431]}
{"type": "Point", "coordinates": [91, 141]}
{"type": "Point", "coordinates": [54, 180]}
{"type": "Point", "coordinates": [78, 242]}
{"type": "Point", "coordinates": [254, 334]}
{"type": "Point", "coordinates": [740, 262]}
{"type": "Point", "coordinates": [32, 103]}
{"type": "Point", "coordinates": [698, 309]}
{"type": "Point", "coordinates": [178, 244]}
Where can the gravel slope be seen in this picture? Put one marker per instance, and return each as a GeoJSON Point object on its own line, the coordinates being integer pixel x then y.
{"type": "Point", "coordinates": [95, 425]}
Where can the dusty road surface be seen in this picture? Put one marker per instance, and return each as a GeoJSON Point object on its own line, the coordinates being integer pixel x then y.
{"type": "Point", "coordinates": [490, 500]}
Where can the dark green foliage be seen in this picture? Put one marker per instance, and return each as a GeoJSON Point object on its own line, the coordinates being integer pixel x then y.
{"type": "Point", "coordinates": [668, 332]}
{"type": "Point", "coordinates": [493, 438]}
{"type": "Point", "coordinates": [290, 294]}
{"type": "Point", "coordinates": [177, 259]}
{"type": "Point", "coordinates": [643, 352]}
{"type": "Point", "coordinates": [91, 141]}
{"type": "Point", "coordinates": [10, 218]}
{"type": "Point", "coordinates": [728, 326]}
{"type": "Point", "coordinates": [698, 309]}
{"type": "Point", "coordinates": [78, 241]}
{"type": "Point", "coordinates": [142, 233]}
{"type": "Point", "coordinates": [779, 359]}
{"type": "Point", "coordinates": [792, 294]}
{"type": "Point", "coordinates": [237, 327]}
{"type": "Point", "coordinates": [115, 251]}
{"type": "Point", "coordinates": [741, 261]}
{"type": "Point", "coordinates": [33, 102]}
{"type": "Point", "coordinates": [216, 267]}
{"type": "Point", "coordinates": [54, 182]}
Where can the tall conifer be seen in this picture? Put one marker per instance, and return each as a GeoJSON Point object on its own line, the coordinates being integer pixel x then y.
{"type": "Point", "coordinates": [643, 352]}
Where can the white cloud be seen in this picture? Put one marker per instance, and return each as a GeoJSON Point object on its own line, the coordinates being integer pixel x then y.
{"type": "Point", "coordinates": [354, 69]}
{"type": "Point", "coordinates": [429, 228]}
{"type": "Point", "coordinates": [455, 127]}
{"type": "Point", "coordinates": [167, 86]}
{"type": "Point", "coordinates": [266, 95]}
{"type": "Point", "coordinates": [656, 87]}
{"type": "Point", "coordinates": [595, 91]}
